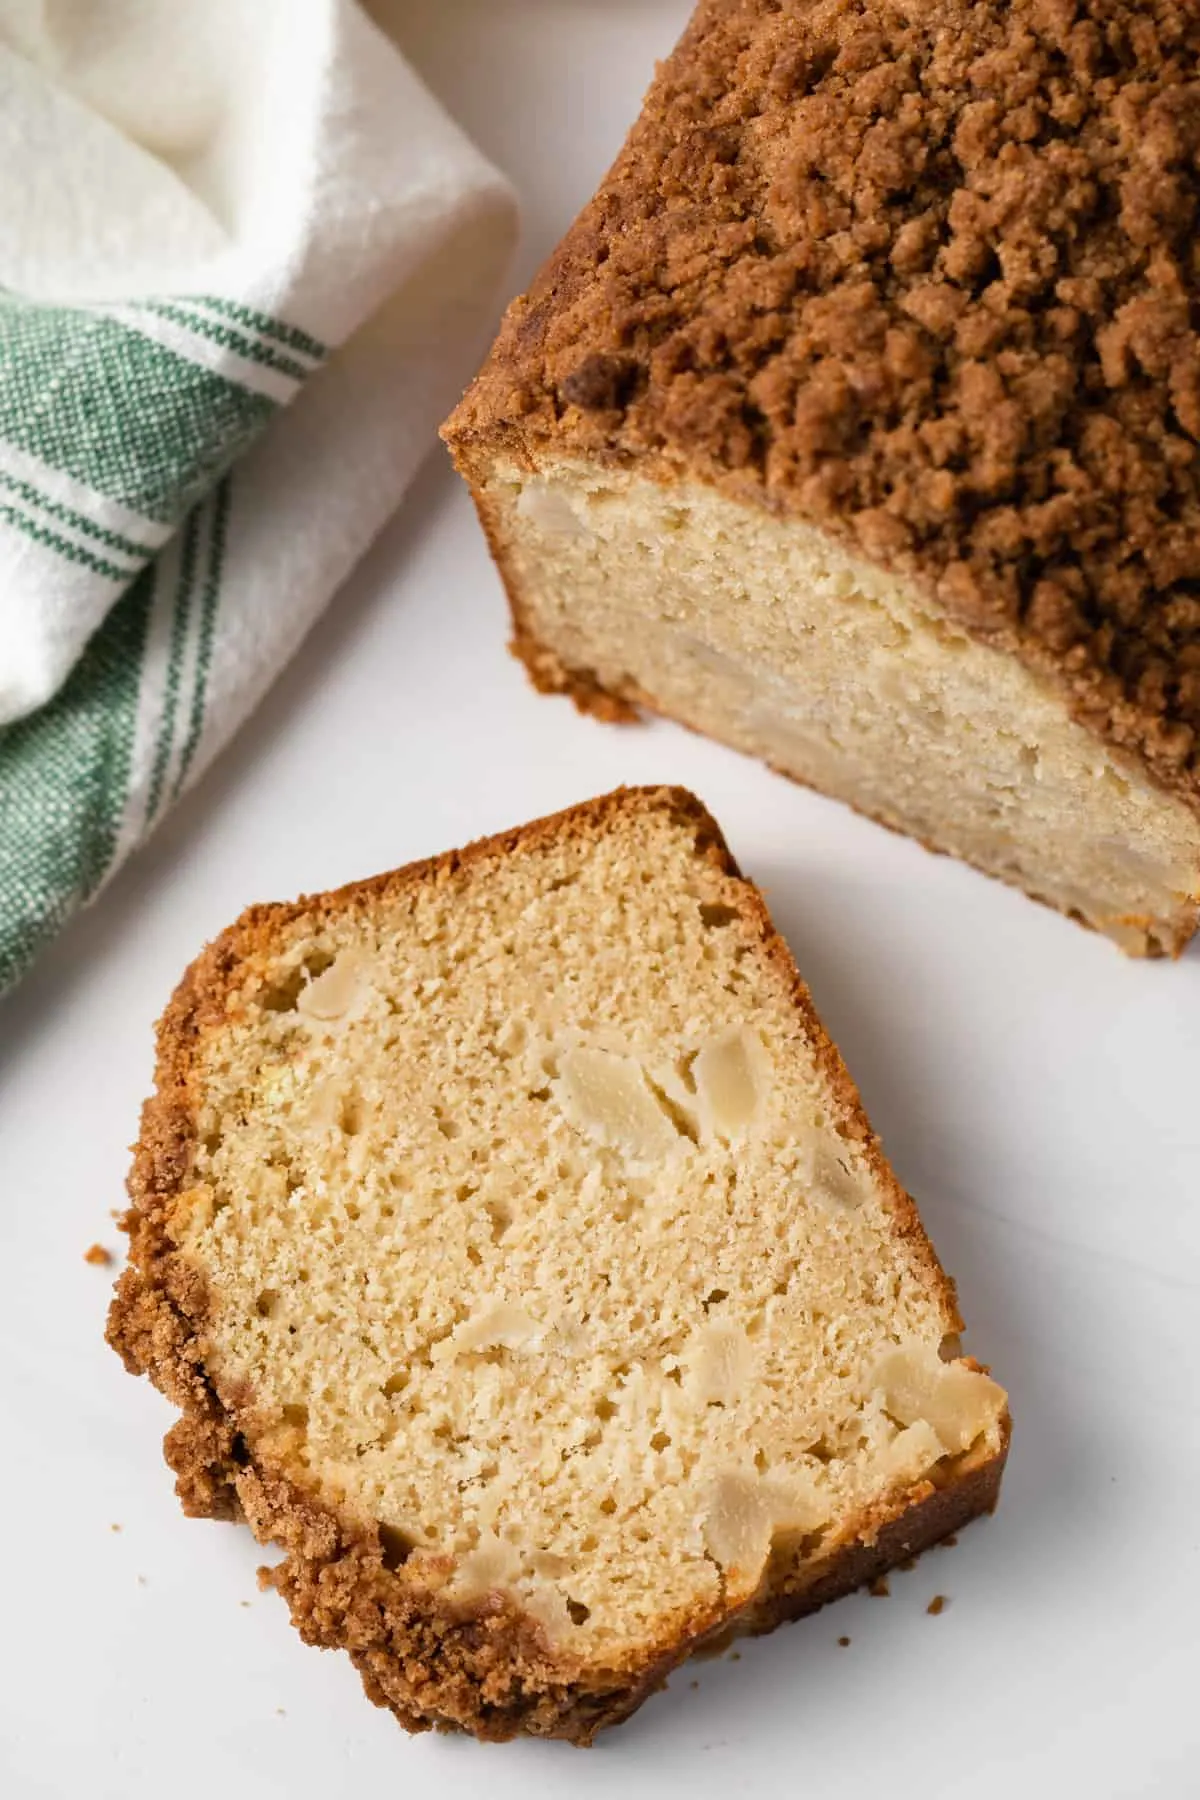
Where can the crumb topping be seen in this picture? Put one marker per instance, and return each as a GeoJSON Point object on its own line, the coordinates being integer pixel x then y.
{"type": "Point", "coordinates": [926, 272]}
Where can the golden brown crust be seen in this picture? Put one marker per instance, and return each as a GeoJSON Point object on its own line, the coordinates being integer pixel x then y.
{"type": "Point", "coordinates": [487, 1668]}
{"type": "Point", "coordinates": [926, 276]}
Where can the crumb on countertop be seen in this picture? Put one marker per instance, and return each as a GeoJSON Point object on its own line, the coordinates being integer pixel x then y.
{"type": "Point", "coordinates": [879, 1589]}
{"type": "Point", "coordinates": [114, 1528]}
{"type": "Point", "coordinates": [937, 1604]}
{"type": "Point", "coordinates": [843, 1643]}
{"type": "Point", "coordinates": [98, 1256]}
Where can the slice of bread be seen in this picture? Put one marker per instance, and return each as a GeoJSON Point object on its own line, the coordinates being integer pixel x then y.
{"type": "Point", "coordinates": [511, 1235]}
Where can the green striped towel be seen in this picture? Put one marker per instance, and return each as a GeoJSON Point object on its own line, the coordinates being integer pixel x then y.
{"type": "Point", "coordinates": [236, 295]}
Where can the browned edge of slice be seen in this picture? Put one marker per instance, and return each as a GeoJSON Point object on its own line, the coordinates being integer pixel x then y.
{"type": "Point", "coordinates": [483, 1667]}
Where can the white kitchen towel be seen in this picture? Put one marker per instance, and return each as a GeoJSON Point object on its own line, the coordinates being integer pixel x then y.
{"type": "Point", "coordinates": [245, 263]}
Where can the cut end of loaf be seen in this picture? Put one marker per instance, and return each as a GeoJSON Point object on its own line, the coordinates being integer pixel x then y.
{"type": "Point", "coordinates": [854, 422]}
{"type": "Point", "coordinates": [770, 635]}
{"type": "Point", "coordinates": [923, 276]}
{"type": "Point", "coordinates": [515, 1243]}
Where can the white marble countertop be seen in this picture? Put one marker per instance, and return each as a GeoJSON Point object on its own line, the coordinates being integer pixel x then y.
{"type": "Point", "coordinates": [1036, 1091]}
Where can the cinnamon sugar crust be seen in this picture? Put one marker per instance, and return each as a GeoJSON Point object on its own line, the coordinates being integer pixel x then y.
{"type": "Point", "coordinates": [485, 1666]}
{"type": "Point", "coordinates": [924, 273]}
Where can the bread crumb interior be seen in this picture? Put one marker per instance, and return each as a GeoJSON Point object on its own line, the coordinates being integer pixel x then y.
{"type": "Point", "coordinates": [532, 1231]}
{"type": "Point", "coordinates": [767, 634]}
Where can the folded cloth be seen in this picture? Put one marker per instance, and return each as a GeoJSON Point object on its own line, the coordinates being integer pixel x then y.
{"type": "Point", "coordinates": [245, 263]}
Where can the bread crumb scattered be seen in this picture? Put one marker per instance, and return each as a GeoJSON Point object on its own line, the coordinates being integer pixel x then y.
{"type": "Point", "coordinates": [114, 1528]}
{"type": "Point", "coordinates": [879, 1589]}
{"type": "Point", "coordinates": [98, 1256]}
{"type": "Point", "coordinates": [243, 1603]}
{"type": "Point", "coordinates": [937, 1604]}
{"type": "Point", "coordinates": [694, 1684]}
{"type": "Point", "coordinates": [843, 1643]}
{"type": "Point", "coordinates": [735, 1656]}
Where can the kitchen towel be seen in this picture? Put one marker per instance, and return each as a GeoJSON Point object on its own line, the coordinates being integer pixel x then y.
{"type": "Point", "coordinates": [245, 263]}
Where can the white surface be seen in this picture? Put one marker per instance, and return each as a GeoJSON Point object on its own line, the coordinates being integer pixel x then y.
{"type": "Point", "coordinates": [1036, 1091]}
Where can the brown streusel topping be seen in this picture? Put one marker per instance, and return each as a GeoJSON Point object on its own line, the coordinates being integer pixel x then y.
{"type": "Point", "coordinates": [926, 272]}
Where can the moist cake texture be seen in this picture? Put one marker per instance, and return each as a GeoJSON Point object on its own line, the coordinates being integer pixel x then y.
{"type": "Point", "coordinates": [907, 288]}
{"type": "Point", "coordinates": [512, 1238]}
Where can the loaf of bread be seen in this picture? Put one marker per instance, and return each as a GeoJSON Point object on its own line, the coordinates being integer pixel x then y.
{"type": "Point", "coordinates": [512, 1238]}
{"type": "Point", "coordinates": [855, 423]}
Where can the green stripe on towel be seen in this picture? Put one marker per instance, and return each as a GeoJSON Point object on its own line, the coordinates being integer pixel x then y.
{"type": "Point", "coordinates": [117, 411]}
{"type": "Point", "coordinates": [64, 778]}
{"type": "Point", "coordinates": [182, 314]}
{"type": "Point", "coordinates": [78, 521]}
